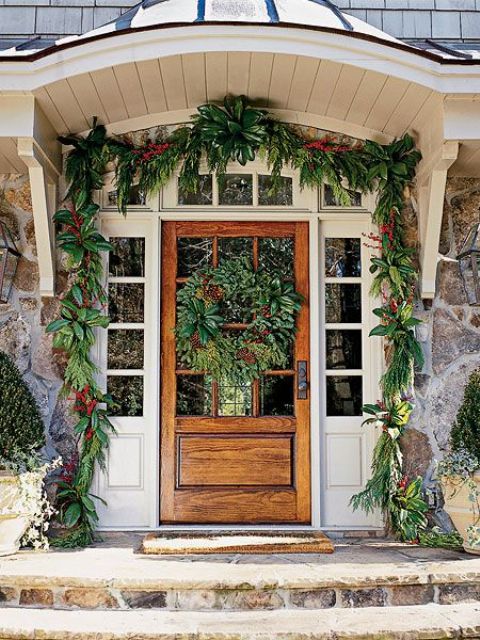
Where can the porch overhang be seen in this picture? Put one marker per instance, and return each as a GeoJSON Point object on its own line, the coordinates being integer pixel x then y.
{"type": "Point", "coordinates": [354, 84]}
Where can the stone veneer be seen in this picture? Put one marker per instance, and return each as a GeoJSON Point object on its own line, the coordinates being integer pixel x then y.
{"type": "Point", "coordinates": [450, 335]}
{"type": "Point", "coordinates": [450, 338]}
{"type": "Point", "coordinates": [24, 318]}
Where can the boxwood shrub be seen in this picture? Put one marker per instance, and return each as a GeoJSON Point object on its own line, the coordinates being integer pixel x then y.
{"type": "Point", "coordinates": [21, 426]}
{"type": "Point", "coordinates": [465, 432]}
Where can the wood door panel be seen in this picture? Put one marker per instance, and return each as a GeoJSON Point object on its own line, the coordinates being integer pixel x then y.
{"type": "Point", "coordinates": [240, 468]}
{"type": "Point", "coordinates": [231, 460]}
{"type": "Point", "coordinates": [270, 424]}
{"type": "Point", "coordinates": [258, 506]}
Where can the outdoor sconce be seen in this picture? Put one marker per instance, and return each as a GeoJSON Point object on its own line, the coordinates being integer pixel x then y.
{"type": "Point", "coordinates": [469, 262]}
{"type": "Point", "coordinates": [9, 257]}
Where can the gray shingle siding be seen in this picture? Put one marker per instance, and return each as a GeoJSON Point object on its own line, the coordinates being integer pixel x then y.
{"type": "Point", "coordinates": [407, 19]}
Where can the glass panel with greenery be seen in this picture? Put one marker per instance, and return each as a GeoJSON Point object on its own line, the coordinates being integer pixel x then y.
{"type": "Point", "coordinates": [125, 349]}
{"type": "Point", "coordinates": [203, 196]}
{"type": "Point", "coordinates": [127, 394]}
{"type": "Point", "coordinates": [276, 255]}
{"type": "Point", "coordinates": [126, 302]}
{"type": "Point", "coordinates": [236, 189]}
{"type": "Point", "coordinates": [344, 395]}
{"type": "Point", "coordinates": [127, 259]}
{"type": "Point", "coordinates": [281, 196]}
{"type": "Point", "coordinates": [342, 258]}
{"type": "Point", "coordinates": [193, 254]}
{"type": "Point", "coordinates": [194, 395]}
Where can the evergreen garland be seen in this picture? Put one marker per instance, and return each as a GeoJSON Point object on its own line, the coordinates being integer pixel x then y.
{"type": "Point", "coordinates": [239, 132]}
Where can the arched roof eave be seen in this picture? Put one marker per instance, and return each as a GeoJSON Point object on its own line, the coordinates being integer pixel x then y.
{"type": "Point", "coordinates": [31, 71]}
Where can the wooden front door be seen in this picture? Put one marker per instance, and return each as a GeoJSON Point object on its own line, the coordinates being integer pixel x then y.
{"type": "Point", "coordinates": [234, 454]}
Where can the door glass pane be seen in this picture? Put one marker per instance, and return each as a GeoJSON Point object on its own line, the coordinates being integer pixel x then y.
{"type": "Point", "coordinates": [344, 349]}
{"type": "Point", "coordinates": [276, 395]}
{"type": "Point", "coordinates": [283, 195]}
{"type": "Point", "coordinates": [127, 393]}
{"type": "Point", "coordinates": [193, 254]}
{"type": "Point", "coordinates": [275, 255]}
{"type": "Point", "coordinates": [194, 396]}
{"type": "Point", "coordinates": [329, 199]}
{"type": "Point", "coordinates": [344, 395]}
{"type": "Point", "coordinates": [343, 302]}
{"type": "Point", "coordinates": [230, 248]}
{"type": "Point", "coordinates": [125, 349]}
{"type": "Point", "coordinates": [203, 196]}
{"type": "Point", "coordinates": [342, 257]}
{"type": "Point", "coordinates": [234, 400]}
{"type": "Point", "coordinates": [236, 189]}
{"type": "Point", "coordinates": [136, 197]}
{"type": "Point", "coordinates": [125, 302]}
{"type": "Point", "coordinates": [127, 257]}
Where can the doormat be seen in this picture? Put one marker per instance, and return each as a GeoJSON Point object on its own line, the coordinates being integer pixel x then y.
{"type": "Point", "coordinates": [255, 542]}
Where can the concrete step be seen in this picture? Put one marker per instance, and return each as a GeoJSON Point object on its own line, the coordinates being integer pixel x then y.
{"type": "Point", "coordinates": [404, 623]}
{"type": "Point", "coordinates": [106, 578]}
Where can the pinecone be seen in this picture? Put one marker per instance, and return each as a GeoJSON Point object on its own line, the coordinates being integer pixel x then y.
{"type": "Point", "coordinates": [195, 341]}
{"type": "Point", "coordinates": [246, 355]}
{"type": "Point", "coordinates": [213, 292]}
{"type": "Point", "coordinates": [266, 311]}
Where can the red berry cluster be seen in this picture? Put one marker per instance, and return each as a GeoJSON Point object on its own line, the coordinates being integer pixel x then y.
{"type": "Point", "coordinates": [403, 484]}
{"type": "Point", "coordinates": [68, 471]}
{"type": "Point", "coordinates": [388, 229]}
{"type": "Point", "coordinates": [83, 403]}
{"type": "Point", "coordinates": [327, 145]}
{"type": "Point", "coordinates": [150, 150]}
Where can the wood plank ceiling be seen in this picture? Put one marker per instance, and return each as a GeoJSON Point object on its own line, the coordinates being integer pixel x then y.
{"type": "Point", "coordinates": [321, 87]}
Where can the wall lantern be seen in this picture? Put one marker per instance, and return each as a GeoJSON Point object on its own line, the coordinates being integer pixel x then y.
{"type": "Point", "coordinates": [469, 261]}
{"type": "Point", "coordinates": [9, 257]}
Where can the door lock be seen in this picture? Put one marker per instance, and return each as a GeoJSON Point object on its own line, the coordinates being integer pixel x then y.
{"type": "Point", "coordinates": [302, 380]}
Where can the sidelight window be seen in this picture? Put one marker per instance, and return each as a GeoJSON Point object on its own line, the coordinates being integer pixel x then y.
{"type": "Point", "coordinates": [343, 334]}
{"type": "Point", "coordinates": [125, 342]}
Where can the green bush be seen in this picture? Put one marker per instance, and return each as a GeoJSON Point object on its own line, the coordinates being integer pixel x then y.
{"type": "Point", "coordinates": [21, 426]}
{"type": "Point", "coordinates": [465, 432]}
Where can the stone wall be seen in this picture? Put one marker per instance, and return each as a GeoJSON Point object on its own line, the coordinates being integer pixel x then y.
{"type": "Point", "coordinates": [23, 319]}
{"type": "Point", "coordinates": [450, 338]}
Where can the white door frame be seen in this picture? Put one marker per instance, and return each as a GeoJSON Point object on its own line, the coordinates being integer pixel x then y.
{"type": "Point", "coordinates": [152, 215]}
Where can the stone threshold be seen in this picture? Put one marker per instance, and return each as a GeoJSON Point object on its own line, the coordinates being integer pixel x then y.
{"type": "Point", "coordinates": [430, 622]}
{"type": "Point", "coordinates": [119, 579]}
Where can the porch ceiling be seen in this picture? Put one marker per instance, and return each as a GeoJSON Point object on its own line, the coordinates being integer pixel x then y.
{"type": "Point", "coordinates": [339, 96]}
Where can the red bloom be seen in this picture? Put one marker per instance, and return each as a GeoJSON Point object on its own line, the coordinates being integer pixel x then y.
{"type": "Point", "coordinates": [150, 150]}
{"type": "Point", "coordinates": [68, 471]}
{"type": "Point", "coordinates": [89, 434]}
{"type": "Point", "coordinates": [326, 145]}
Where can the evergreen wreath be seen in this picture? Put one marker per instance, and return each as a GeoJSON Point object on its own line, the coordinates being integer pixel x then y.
{"type": "Point", "coordinates": [238, 131]}
{"type": "Point", "coordinates": [268, 304]}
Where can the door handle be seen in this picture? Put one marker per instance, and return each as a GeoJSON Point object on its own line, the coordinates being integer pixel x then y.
{"type": "Point", "coordinates": [302, 380]}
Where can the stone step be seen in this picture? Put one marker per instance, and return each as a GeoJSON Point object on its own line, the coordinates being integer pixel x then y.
{"type": "Point", "coordinates": [117, 579]}
{"type": "Point", "coordinates": [405, 623]}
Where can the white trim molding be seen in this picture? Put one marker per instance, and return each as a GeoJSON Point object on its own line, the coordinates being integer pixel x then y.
{"type": "Point", "coordinates": [43, 190]}
{"type": "Point", "coordinates": [88, 55]}
{"type": "Point", "coordinates": [431, 203]}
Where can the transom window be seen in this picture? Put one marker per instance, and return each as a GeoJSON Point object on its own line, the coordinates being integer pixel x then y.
{"type": "Point", "coordinates": [238, 190]}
